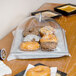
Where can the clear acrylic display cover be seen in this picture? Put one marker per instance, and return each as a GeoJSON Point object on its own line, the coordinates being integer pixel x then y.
{"type": "Point", "coordinates": [60, 51]}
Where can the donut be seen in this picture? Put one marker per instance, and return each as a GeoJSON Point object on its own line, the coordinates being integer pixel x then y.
{"type": "Point", "coordinates": [31, 37]}
{"type": "Point", "coordinates": [48, 42]}
{"type": "Point", "coordinates": [29, 46]}
{"type": "Point", "coordinates": [39, 71]}
{"type": "Point", "coordinates": [47, 30]}
{"type": "Point", "coordinates": [31, 30]}
{"type": "Point", "coordinates": [49, 38]}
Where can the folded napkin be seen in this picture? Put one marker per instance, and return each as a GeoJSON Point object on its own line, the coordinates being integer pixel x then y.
{"type": "Point", "coordinates": [4, 69]}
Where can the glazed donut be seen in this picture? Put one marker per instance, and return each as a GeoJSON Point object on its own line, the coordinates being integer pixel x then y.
{"type": "Point", "coordinates": [49, 38]}
{"type": "Point", "coordinates": [39, 71]}
{"type": "Point", "coordinates": [47, 30]}
{"type": "Point", "coordinates": [29, 46]}
{"type": "Point", "coordinates": [48, 42]}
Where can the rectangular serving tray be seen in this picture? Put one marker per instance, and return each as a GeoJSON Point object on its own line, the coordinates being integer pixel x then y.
{"type": "Point", "coordinates": [64, 12]}
{"type": "Point", "coordinates": [58, 14]}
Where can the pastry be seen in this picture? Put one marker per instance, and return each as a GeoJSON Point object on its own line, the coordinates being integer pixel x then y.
{"type": "Point", "coordinates": [46, 30]}
{"type": "Point", "coordinates": [48, 42]}
{"type": "Point", "coordinates": [31, 30]}
{"type": "Point", "coordinates": [29, 46]}
{"type": "Point", "coordinates": [48, 14]}
{"type": "Point", "coordinates": [39, 71]}
{"type": "Point", "coordinates": [31, 37]}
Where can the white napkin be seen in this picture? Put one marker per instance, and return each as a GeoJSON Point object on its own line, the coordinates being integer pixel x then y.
{"type": "Point", "coordinates": [4, 69]}
{"type": "Point", "coordinates": [53, 70]}
{"type": "Point", "coordinates": [28, 67]}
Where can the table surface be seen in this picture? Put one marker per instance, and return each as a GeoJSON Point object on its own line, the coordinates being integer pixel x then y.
{"type": "Point", "coordinates": [65, 64]}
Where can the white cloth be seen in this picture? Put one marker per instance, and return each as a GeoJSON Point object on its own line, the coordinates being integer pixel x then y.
{"type": "Point", "coordinates": [53, 71]}
{"type": "Point", "coordinates": [4, 69]}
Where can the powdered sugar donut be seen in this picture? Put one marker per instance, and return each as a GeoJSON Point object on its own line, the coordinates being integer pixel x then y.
{"type": "Point", "coordinates": [31, 37]}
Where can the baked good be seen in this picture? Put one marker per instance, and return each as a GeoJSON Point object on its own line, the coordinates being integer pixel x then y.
{"type": "Point", "coordinates": [39, 71]}
{"type": "Point", "coordinates": [46, 30]}
{"type": "Point", "coordinates": [31, 30]}
{"type": "Point", "coordinates": [29, 46]}
{"type": "Point", "coordinates": [48, 42]}
{"type": "Point", "coordinates": [45, 13]}
{"type": "Point", "coordinates": [31, 37]}
{"type": "Point", "coordinates": [48, 14]}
